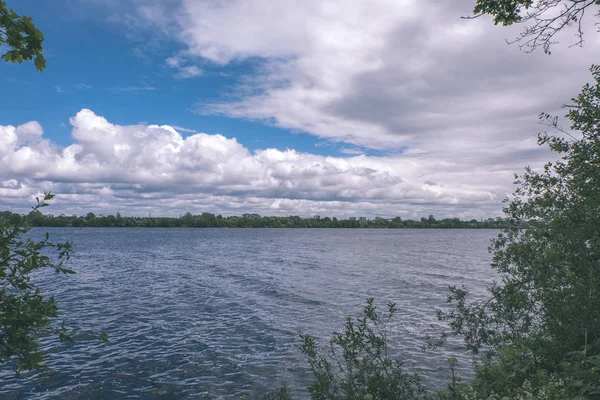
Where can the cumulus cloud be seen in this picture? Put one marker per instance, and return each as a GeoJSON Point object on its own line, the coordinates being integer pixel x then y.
{"type": "Point", "coordinates": [140, 168]}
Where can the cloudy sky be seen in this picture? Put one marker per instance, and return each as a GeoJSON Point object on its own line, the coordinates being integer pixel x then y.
{"type": "Point", "coordinates": [329, 107]}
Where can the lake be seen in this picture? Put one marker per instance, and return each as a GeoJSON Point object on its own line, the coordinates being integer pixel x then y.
{"type": "Point", "coordinates": [216, 313]}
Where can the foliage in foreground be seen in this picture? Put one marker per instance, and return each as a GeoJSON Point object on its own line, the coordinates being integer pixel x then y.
{"type": "Point", "coordinates": [23, 39]}
{"type": "Point", "coordinates": [25, 313]}
{"type": "Point", "coordinates": [354, 365]}
{"type": "Point", "coordinates": [357, 365]}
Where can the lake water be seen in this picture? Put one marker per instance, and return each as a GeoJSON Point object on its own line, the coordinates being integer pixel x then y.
{"type": "Point", "coordinates": [216, 313]}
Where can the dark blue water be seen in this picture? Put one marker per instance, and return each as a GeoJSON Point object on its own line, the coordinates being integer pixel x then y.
{"type": "Point", "coordinates": [216, 313]}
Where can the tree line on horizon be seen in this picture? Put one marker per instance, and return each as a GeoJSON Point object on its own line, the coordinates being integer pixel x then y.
{"type": "Point", "coordinates": [209, 220]}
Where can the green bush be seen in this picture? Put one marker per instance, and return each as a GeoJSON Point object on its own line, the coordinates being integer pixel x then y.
{"type": "Point", "coordinates": [355, 364]}
{"type": "Point", "coordinates": [25, 313]}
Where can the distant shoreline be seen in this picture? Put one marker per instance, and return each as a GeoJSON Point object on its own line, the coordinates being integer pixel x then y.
{"type": "Point", "coordinates": [208, 220]}
{"type": "Point", "coordinates": [262, 227]}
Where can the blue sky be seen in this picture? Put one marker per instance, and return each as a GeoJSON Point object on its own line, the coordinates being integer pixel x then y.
{"type": "Point", "coordinates": [297, 107]}
{"type": "Point", "coordinates": [92, 64]}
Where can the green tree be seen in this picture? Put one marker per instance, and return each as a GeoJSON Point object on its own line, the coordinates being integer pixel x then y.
{"type": "Point", "coordinates": [542, 19]}
{"type": "Point", "coordinates": [542, 319]}
{"type": "Point", "coordinates": [23, 39]}
{"type": "Point", "coordinates": [35, 218]}
{"type": "Point", "coordinates": [25, 313]}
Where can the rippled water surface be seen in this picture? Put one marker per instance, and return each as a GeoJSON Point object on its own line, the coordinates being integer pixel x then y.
{"type": "Point", "coordinates": [215, 313]}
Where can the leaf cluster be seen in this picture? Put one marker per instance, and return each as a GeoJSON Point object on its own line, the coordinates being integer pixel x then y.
{"type": "Point", "coordinates": [22, 37]}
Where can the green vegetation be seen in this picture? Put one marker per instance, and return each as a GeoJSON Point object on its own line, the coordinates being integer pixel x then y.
{"type": "Point", "coordinates": [22, 38]}
{"type": "Point", "coordinates": [208, 220]}
{"type": "Point", "coordinates": [25, 313]}
{"type": "Point", "coordinates": [356, 364]}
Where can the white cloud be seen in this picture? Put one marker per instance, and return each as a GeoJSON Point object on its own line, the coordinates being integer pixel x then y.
{"type": "Point", "coordinates": [182, 129]}
{"type": "Point", "coordinates": [151, 168]}
{"type": "Point", "coordinates": [143, 87]}
{"type": "Point", "coordinates": [12, 138]}
{"type": "Point", "coordinates": [183, 71]}
{"type": "Point", "coordinates": [351, 150]}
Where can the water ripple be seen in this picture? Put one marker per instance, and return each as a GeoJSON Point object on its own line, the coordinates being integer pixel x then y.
{"type": "Point", "coordinates": [209, 313]}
